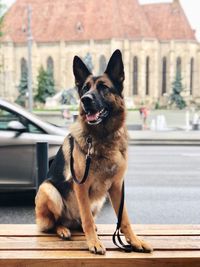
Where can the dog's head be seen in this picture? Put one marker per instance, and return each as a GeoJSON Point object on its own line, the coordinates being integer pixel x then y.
{"type": "Point", "coordinates": [101, 97]}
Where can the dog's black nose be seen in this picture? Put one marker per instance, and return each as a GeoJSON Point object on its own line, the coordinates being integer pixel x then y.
{"type": "Point", "coordinates": [87, 100]}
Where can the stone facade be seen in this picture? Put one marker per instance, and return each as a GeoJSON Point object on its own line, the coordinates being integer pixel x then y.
{"type": "Point", "coordinates": [148, 80]}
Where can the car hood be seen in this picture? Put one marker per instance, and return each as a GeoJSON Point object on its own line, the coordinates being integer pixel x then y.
{"type": "Point", "coordinates": [47, 127]}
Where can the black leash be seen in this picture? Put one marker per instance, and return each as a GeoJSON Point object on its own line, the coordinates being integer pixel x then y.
{"type": "Point", "coordinates": [87, 160]}
{"type": "Point", "coordinates": [116, 236]}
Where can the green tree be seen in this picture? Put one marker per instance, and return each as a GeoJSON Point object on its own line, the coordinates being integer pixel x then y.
{"type": "Point", "coordinates": [51, 82]}
{"type": "Point", "coordinates": [23, 89]}
{"type": "Point", "coordinates": [46, 87]}
{"type": "Point", "coordinates": [177, 88]}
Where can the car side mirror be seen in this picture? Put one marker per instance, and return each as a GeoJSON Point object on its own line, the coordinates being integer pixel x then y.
{"type": "Point", "coordinates": [16, 126]}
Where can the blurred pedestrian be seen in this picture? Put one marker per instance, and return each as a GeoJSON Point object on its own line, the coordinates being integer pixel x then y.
{"type": "Point", "coordinates": [66, 114]}
{"type": "Point", "coordinates": [144, 112]}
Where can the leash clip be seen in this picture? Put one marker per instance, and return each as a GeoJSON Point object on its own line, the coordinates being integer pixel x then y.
{"type": "Point", "coordinates": [89, 142]}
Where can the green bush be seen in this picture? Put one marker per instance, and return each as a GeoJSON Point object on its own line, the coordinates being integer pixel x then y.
{"type": "Point", "coordinates": [45, 87]}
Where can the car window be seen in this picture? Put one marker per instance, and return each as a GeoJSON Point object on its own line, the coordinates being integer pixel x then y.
{"type": "Point", "coordinates": [6, 117]}
{"type": "Point", "coordinates": [33, 128]}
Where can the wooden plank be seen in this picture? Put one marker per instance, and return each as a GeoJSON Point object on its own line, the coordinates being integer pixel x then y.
{"type": "Point", "coordinates": [108, 229]}
{"type": "Point", "coordinates": [79, 259]}
{"type": "Point", "coordinates": [87, 255]}
{"type": "Point", "coordinates": [59, 254]}
{"type": "Point", "coordinates": [54, 243]}
{"type": "Point", "coordinates": [174, 245]}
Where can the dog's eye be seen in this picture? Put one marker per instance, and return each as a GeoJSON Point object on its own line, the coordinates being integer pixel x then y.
{"type": "Point", "coordinates": [105, 90]}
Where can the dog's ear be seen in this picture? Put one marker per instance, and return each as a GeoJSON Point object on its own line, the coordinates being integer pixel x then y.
{"type": "Point", "coordinates": [81, 72]}
{"type": "Point", "coordinates": [115, 69]}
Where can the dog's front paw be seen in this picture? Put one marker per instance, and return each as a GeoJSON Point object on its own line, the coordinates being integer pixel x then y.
{"type": "Point", "coordinates": [96, 247]}
{"type": "Point", "coordinates": [139, 245]}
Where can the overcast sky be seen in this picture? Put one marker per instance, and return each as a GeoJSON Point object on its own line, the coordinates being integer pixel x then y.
{"type": "Point", "coordinates": [191, 7]}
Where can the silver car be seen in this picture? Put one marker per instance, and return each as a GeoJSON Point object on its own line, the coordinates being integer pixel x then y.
{"type": "Point", "coordinates": [19, 133]}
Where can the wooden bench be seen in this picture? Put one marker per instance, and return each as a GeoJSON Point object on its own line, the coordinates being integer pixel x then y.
{"type": "Point", "coordinates": [174, 245]}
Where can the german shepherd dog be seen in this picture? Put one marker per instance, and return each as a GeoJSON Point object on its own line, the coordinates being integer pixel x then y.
{"type": "Point", "coordinates": [61, 204]}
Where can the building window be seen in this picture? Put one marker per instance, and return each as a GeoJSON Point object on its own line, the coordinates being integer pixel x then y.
{"type": "Point", "coordinates": [164, 76]}
{"type": "Point", "coordinates": [102, 64]}
{"type": "Point", "coordinates": [147, 75]}
{"type": "Point", "coordinates": [50, 66]}
{"type": "Point", "coordinates": [24, 67]}
{"type": "Point", "coordinates": [88, 61]}
{"type": "Point", "coordinates": [135, 75]}
{"type": "Point", "coordinates": [191, 75]}
{"type": "Point", "coordinates": [178, 65]}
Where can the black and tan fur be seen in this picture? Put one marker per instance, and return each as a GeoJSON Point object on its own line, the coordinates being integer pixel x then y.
{"type": "Point", "coordinates": [62, 205]}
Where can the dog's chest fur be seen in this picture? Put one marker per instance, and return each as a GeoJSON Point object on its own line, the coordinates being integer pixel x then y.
{"type": "Point", "coordinates": [104, 171]}
{"type": "Point", "coordinates": [105, 168]}
{"type": "Point", "coordinates": [99, 187]}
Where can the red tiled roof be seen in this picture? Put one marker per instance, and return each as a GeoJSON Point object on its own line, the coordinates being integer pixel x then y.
{"type": "Point", "coordinates": [71, 20]}
{"type": "Point", "coordinates": [55, 20]}
{"type": "Point", "coordinates": [169, 21]}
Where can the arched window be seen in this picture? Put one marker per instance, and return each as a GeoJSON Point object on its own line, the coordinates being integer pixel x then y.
{"type": "Point", "coordinates": [147, 75]}
{"type": "Point", "coordinates": [178, 65]}
{"type": "Point", "coordinates": [23, 67]}
{"type": "Point", "coordinates": [164, 75]}
{"type": "Point", "coordinates": [102, 64]}
{"type": "Point", "coordinates": [191, 75]}
{"type": "Point", "coordinates": [50, 65]}
{"type": "Point", "coordinates": [88, 61]}
{"type": "Point", "coordinates": [135, 75]}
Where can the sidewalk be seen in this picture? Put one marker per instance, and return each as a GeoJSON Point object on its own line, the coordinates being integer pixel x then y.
{"type": "Point", "coordinates": [147, 137]}
{"type": "Point", "coordinates": [175, 121]}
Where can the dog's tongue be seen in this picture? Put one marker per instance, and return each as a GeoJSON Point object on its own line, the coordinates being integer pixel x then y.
{"type": "Point", "coordinates": [92, 117]}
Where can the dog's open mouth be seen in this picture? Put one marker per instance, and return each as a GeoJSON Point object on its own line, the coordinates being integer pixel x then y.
{"type": "Point", "coordinates": [96, 117]}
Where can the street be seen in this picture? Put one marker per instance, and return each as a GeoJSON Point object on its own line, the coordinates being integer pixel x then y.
{"type": "Point", "coordinates": [161, 185]}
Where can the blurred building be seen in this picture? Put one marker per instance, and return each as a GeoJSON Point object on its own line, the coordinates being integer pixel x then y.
{"type": "Point", "coordinates": [155, 39]}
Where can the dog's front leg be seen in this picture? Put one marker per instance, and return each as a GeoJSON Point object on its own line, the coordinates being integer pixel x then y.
{"type": "Point", "coordinates": [89, 228]}
{"type": "Point", "coordinates": [138, 245]}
